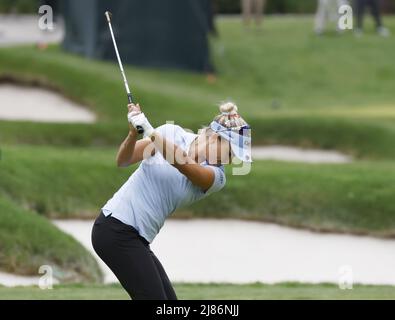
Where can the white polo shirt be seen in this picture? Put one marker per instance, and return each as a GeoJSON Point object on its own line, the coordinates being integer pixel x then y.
{"type": "Point", "coordinates": [156, 189]}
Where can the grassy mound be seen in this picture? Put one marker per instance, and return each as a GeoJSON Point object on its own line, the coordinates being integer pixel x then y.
{"type": "Point", "coordinates": [28, 241]}
{"type": "Point", "coordinates": [293, 87]}
{"type": "Point", "coordinates": [76, 182]}
{"type": "Point", "coordinates": [333, 92]}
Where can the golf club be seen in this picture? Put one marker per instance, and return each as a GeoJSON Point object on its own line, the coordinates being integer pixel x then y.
{"type": "Point", "coordinates": [129, 94]}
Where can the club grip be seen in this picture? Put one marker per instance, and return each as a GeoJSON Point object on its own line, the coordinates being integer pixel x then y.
{"type": "Point", "coordinates": [130, 98]}
{"type": "Point", "coordinates": [139, 129]}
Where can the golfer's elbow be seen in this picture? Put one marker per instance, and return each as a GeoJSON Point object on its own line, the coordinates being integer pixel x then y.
{"type": "Point", "coordinates": [122, 163]}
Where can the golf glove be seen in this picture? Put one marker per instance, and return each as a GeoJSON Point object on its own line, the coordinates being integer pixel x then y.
{"type": "Point", "coordinates": [139, 119]}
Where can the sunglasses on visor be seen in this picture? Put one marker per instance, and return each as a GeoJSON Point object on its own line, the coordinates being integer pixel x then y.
{"type": "Point", "coordinates": [241, 130]}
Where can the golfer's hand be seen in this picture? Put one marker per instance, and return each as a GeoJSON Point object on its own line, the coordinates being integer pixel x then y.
{"type": "Point", "coordinates": [137, 118]}
{"type": "Point", "coordinates": [133, 109]}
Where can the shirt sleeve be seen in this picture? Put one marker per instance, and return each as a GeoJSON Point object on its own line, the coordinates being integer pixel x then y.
{"type": "Point", "coordinates": [166, 130]}
{"type": "Point", "coordinates": [170, 132]}
{"type": "Point", "coordinates": [219, 179]}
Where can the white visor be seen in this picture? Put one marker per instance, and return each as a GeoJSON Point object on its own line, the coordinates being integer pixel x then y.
{"type": "Point", "coordinates": [239, 138]}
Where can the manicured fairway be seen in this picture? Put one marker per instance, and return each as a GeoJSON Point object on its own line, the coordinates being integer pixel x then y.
{"type": "Point", "coordinates": [209, 291]}
{"type": "Point", "coordinates": [332, 92]}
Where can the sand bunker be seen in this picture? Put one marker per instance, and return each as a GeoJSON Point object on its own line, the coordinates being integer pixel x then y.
{"type": "Point", "coordinates": [23, 29]}
{"type": "Point", "coordinates": [41, 105]}
{"type": "Point", "coordinates": [209, 250]}
{"type": "Point", "coordinates": [292, 154]}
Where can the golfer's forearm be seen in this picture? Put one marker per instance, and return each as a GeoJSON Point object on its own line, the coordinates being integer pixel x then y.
{"type": "Point", "coordinates": [197, 174]}
{"type": "Point", "coordinates": [171, 152]}
{"type": "Point", "coordinates": [126, 150]}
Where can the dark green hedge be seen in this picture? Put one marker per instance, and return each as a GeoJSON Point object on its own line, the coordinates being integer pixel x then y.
{"type": "Point", "coordinates": [221, 6]}
{"type": "Point", "coordinates": [287, 6]}
{"type": "Point", "coordinates": [272, 6]}
{"type": "Point", "coordinates": [19, 6]}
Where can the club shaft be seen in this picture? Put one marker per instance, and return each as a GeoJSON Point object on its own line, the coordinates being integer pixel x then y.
{"type": "Point", "coordinates": [120, 64]}
{"type": "Point", "coordinates": [125, 81]}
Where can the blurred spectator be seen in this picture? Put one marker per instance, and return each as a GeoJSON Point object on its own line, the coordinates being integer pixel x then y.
{"type": "Point", "coordinates": [209, 67]}
{"type": "Point", "coordinates": [360, 6]}
{"type": "Point", "coordinates": [211, 10]}
{"type": "Point", "coordinates": [253, 8]}
{"type": "Point", "coordinates": [327, 10]}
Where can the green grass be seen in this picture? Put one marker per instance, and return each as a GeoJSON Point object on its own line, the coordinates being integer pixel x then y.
{"type": "Point", "coordinates": [60, 183]}
{"type": "Point", "coordinates": [186, 291]}
{"type": "Point", "coordinates": [332, 92]}
{"type": "Point", "coordinates": [328, 92]}
{"type": "Point", "coordinates": [288, 63]}
{"type": "Point", "coordinates": [339, 198]}
{"type": "Point", "coordinates": [28, 241]}
{"type": "Point", "coordinates": [76, 182]}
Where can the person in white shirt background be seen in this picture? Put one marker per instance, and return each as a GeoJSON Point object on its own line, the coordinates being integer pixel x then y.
{"type": "Point", "coordinates": [327, 10]}
{"type": "Point", "coordinates": [177, 168]}
{"type": "Point", "coordinates": [252, 9]}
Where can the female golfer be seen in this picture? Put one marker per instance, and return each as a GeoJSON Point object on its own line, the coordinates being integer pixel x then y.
{"type": "Point", "coordinates": [177, 168]}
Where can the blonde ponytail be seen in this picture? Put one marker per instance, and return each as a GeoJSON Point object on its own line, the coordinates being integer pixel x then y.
{"type": "Point", "coordinates": [229, 116]}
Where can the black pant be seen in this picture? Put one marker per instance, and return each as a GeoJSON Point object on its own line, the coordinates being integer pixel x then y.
{"type": "Point", "coordinates": [129, 256]}
{"type": "Point", "coordinates": [360, 11]}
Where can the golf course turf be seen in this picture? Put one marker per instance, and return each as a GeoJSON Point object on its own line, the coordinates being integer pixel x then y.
{"type": "Point", "coordinates": [58, 183]}
{"type": "Point", "coordinates": [332, 92]}
{"type": "Point", "coordinates": [256, 291]}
